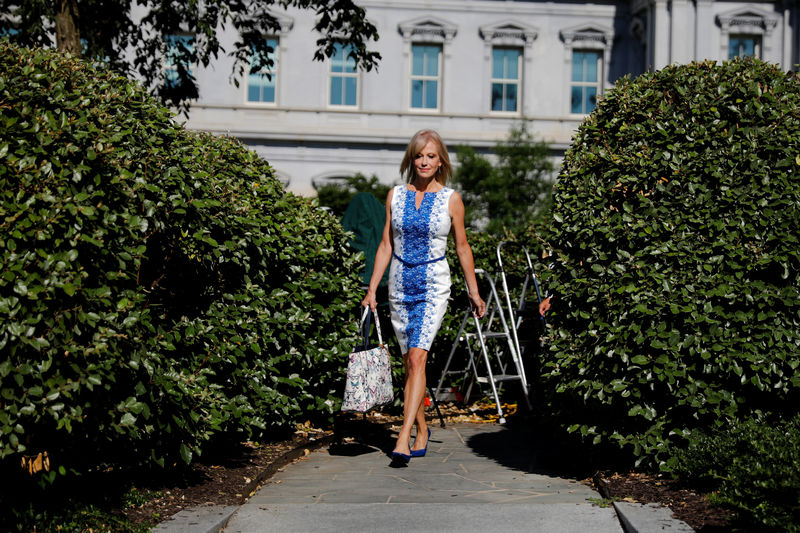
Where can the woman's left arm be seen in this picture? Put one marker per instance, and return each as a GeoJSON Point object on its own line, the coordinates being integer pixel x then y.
{"type": "Point", "coordinates": [464, 252]}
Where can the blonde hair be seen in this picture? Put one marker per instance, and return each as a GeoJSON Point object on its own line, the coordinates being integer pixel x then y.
{"type": "Point", "coordinates": [418, 142]}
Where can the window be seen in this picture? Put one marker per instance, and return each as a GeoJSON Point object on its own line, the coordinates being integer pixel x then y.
{"type": "Point", "coordinates": [177, 48]}
{"type": "Point", "coordinates": [425, 78]}
{"type": "Point", "coordinates": [261, 82]}
{"type": "Point", "coordinates": [749, 31]}
{"type": "Point", "coordinates": [586, 68]}
{"type": "Point", "coordinates": [744, 45]}
{"type": "Point", "coordinates": [505, 78]}
{"type": "Point", "coordinates": [344, 77]}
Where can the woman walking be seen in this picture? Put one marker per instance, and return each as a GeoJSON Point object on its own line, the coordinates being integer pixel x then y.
{"type": "Point", "coordinates": [419, 217]}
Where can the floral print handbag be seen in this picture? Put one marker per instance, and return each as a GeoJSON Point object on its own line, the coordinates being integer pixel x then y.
{"type": "Point", "coordinates": [369, 376]}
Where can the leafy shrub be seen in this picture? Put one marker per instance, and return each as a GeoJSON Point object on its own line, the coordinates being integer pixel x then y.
{"type": "Point", "coordinates": [158, 286]}
{"type": "Point", "coordinates": [751, 467]}
{"type": "Point", "coordinates": [677, 272]}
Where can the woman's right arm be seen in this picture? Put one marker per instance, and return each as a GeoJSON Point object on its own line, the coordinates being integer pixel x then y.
{"type": "Point", "coordinates": [382, 257]}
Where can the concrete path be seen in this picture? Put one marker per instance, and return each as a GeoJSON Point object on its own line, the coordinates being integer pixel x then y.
{"type": "Point", "coordinates": [475, 477]}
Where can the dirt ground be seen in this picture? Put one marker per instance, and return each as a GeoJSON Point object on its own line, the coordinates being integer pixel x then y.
{"type": "Point", "coordinates": [686, 505]}
{"type": "Point", "coordinates": [231, 478]}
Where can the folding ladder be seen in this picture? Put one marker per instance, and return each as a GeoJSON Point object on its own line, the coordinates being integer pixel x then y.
{"type": "Point", "coordinates": [485, 330]}
{"type": "Point", "coordinates": [516, 313]}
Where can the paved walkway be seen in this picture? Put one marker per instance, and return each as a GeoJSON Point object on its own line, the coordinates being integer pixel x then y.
{"type": "Point", "coordinates": [475, 477]}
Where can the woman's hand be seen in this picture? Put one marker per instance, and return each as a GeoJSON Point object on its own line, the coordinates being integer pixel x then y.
{"type": "Point", "coordinates": [478, 305]}
{"type": "Point", "coordinates": [370, 301]}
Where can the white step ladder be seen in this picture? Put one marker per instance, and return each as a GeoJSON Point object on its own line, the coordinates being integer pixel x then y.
{"type": "Point", "coordinates": [497, 324]}
{"type": "Point", "coordinates": [516, 313]}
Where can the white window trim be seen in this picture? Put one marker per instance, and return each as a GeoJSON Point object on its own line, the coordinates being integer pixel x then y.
{"type": "Point", "coordinates": [424, 77]}
{"type": "Point", "coordinates": [585, 37]}
{"type": "Point", "coordinates": [356, 75]}
{"type": "Point", "coordinates": [759, 42]}
{"type": "Point", "coordinates": [597, 84]}
{"type": "Point", "coordinates": [166, 66]}
{"type": "Point", "coordinates": [508, 33]}
{"type": "Point", "coordinates": [422, 31]}
{"type": "Point", "coordinates": [748, 21]}
{"type": "Point", "coordinates": [286, 24]}
{"type": "Point", "coordinates": [508, 81]}
{"type": "Point", "coordinates": [276, 73]}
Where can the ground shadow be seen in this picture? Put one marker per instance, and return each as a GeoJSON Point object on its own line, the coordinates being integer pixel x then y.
{"type": "Point", "coordinates": [533, 448]}
{"type": "Point", "coordinates": [357, 435]}
{"type": "Point", "coordinates": [350, 449]}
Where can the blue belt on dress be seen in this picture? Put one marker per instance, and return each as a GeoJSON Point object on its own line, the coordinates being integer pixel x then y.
{"type": "Point", "coordinates": [406, 263]}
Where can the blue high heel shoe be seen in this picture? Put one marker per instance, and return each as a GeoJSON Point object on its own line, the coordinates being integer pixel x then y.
{"type": "Point", "coordinates": [423, 451]}
{"type": "Point", "coordinates": [401, 458]}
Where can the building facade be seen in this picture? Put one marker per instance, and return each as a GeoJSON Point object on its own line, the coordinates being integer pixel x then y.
{"type": "Point", "coordinates": [468, 69]}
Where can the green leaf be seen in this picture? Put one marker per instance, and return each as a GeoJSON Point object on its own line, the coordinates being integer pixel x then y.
{"type": "Point", "coordinates": [186, 454]}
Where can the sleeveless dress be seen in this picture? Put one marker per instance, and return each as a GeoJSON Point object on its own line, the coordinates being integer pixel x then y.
{"type": "Point", "coordinates": [419, 276]}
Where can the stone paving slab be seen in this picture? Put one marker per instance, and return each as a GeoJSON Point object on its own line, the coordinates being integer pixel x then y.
{"type": "Point", "coordinates": [200, 519]}
{"type": "Point", "coordinates": [644, 518]}
{"type": "Point", "coordinates": [424, 518]}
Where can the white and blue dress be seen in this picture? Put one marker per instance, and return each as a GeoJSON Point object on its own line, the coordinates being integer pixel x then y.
{"type": "Point", "coordinates": [419, 277]}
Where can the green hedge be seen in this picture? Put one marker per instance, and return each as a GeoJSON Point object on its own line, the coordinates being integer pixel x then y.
{"type": "Point", "coordinates": [749, 466]}
{"type": "Point", "coordinates": [677, 273]}
{"type": "Point", "coordinates": [158, 286]}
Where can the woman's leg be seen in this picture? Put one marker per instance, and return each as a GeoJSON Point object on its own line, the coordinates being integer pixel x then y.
{"type": "Point", "coordinates": [421, 422]}
{"type": "Point", "coordinates": [421, 439]}
{"type": "Point", "coordinates": [413, 396]}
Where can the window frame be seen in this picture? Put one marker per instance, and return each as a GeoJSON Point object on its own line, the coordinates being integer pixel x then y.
{"type": "Point", "coordinates": [757, 44]}
{"type": "Point", "coordinates": [167, 65]}
{"type": "Point", "coordinates": [505, 82]}
{"type": "Point", "coordinates": [280, 34]}
{"type": "Point", "coordinates": [438, 78]}
{"type": "Point", "coordinates": [754, 22]}
{"type": "Point", "coordinates": [586, 38]}
{"type": "Point", "coordinates": [583, 84]}
{"type": "Point", "coordinates": [508, 33]}
{"type": "Point", "coordinates": [274, 71]}
{"type": "Point", "coordinates": [343, 75]}
{"type": "Point", "coordinates": [424, 31]}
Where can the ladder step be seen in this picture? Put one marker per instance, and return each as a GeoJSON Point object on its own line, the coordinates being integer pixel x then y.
{"type": "Point", "coordinates": [494, 334]}
{"type": "Point", "coordinates": [507, 377]}
{"type": "Point", "coordinates": [499, 377]}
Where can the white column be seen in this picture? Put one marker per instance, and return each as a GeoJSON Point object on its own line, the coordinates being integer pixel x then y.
{"type": "Point", "coordinates": [794, 57]}
{"type": "Point", "coordinates": [526, 91]}
{"type": "Point", "coordinates": [485, 86]}
{"type": "Point", "coordinates": [661, 35]}
{"type": "Point", "coordinates": [786, 39]}
{"type": "Point", "coordinates": [703, 28]}
{"type": "Point", "coordinates": [681, 37]}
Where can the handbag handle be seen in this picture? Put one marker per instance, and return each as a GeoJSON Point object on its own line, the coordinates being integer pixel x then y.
{"type": "Point", "coordinates": [365, 317]}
